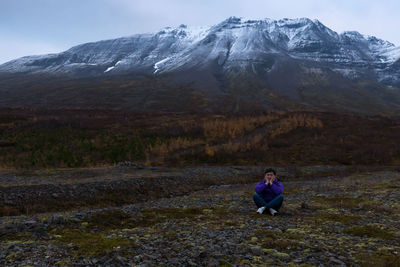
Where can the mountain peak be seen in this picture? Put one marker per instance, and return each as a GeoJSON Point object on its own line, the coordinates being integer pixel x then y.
{"type": "Point", "coordinates": [295, 21]}
{"type": "Point", "coordinates": [353, 35]}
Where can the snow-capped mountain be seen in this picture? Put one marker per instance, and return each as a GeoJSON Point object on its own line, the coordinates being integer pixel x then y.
{"type": "Point", "coordinates": [232, 42]}
{"type": "Point", "coordinates": [287, 56]}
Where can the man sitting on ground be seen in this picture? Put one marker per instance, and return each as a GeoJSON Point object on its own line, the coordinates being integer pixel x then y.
{"type": "Point", "coordinates": [268, 195]}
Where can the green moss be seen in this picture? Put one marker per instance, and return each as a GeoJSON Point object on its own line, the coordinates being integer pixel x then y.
{"type": "Point", "coordinates": [369, 231]}
{"type": "Point", "coordinates": [174, 212]}
{"type": "Point", "coordinates": [293, 236]}
{"type": "Point", "coordinates": [289, 191]}
{"type": "Point", "coordinates": [17, 237]}
{"type": "Point", "coordinates": [224, 263]}
{"type": "Point", "coordinates": [379, 259]}
{"type": "Point", "coordinates": [281, 241]}
{"type": "Point", "coordinates": [110, 219]}
{"type": "Point", "coordinates": [266, 233]}
{"type": "Point", "coordinates": [169, 235]}
{"type": "Point", "coordinates": [295, 231]}
{"type": "Point", "coordinates": [148, 217]}
{"type": "Point", "coordinates": [63, 263]}
{"type": "Point", "coordinates": [93, 245]}
{"type": "Point", "coordinates": [280, 244]}
{"type": "Point", "coordinates": [282, 255]}
{"type": "Point", "coordinates": [393, 186]}
{"type": "Point", "coordinates": [11, 256]}
{"type": "Point", "coordinates": [342, 218]}
{"type": "Point", "coordinates": [339, 201]}
{"type": "Point", "coordinates": [253, 239]}
{"type": "Point", "coordinates": [291, 264]}
{"type": "Point", "coordinates": [269, 250]}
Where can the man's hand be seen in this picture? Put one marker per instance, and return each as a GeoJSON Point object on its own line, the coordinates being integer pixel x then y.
{"type": "Point", "coordinates": [272, 180]}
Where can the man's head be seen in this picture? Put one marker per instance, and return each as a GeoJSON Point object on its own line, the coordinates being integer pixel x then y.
{"type": "Point", "coordinates": [267, 170]}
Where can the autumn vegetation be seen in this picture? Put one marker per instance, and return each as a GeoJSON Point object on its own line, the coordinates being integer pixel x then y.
{"type": "Point", "coordinates": [33, 138]}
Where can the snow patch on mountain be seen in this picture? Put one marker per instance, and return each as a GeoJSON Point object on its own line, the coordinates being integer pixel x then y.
{"type": "Point", "coordinates": [112, 67]}
{"type": "Point", "coordinates": [157, 65]}
{"type": "Point", "coordinates": [391, 54]}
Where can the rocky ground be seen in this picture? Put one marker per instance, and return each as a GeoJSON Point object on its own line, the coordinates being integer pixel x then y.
{"type": "Point", "coordinates": [342, 220]}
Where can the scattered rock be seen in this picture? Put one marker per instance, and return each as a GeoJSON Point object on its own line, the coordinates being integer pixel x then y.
{"type": "Point", "coordinates": [257, 251]}
{"type": "Point", "coordinates": [305, 206]}
{"type": "Point", "coordinates": [336, 262]}
{"type": "Point", "coordinates": [213, 226]}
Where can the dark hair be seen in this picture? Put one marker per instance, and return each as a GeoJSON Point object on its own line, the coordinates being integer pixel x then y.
{"type": "Point", "coordinates": [269, 170]}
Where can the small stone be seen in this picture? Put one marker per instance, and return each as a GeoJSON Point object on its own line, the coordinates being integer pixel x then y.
{"type": "Point", "coordinates": [334, 261]}
{"type": "Point", "coordinates": [248, 257]}
{"type": "Point", "coordinates": [203, 254]}
{"type": "Point", "coordinates": [137, 259]}
{"type": "Point", "coordinates": [305, 206]}
{"type": "Point", "coordinates": [257, 251]}
{"type": "Point", "coordinates": [174, 261]}
{"type": "Point", "coordinates": [121, 259]}
{"type": "Point", "coordinates": [30, 223]}
{"type": "Point", "coordinates": [212, 262]}
{"type": "Point", "coordinates": [191, 263]}
{"type": "Point", "coordinates": [75, 220]}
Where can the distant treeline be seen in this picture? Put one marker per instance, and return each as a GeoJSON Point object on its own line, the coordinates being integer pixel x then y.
{"type": "Point", "coordinates": [32, 138]}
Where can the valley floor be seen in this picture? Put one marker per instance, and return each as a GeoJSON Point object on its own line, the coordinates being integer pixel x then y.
{"type": "Point", "coordinates": [325, 221]}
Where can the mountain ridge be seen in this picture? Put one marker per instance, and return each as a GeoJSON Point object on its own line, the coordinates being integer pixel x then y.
{"type": "Point", "coordinates": [297, 37]}
{"type": "Point", "coordinates": [300, 59]}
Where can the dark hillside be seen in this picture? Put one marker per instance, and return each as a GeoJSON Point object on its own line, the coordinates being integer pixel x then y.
{"type": "Point", "coordinates": [37, 138]}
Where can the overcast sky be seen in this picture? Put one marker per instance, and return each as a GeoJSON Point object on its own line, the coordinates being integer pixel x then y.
{"type": "Point", "coordinates": [31, 27]}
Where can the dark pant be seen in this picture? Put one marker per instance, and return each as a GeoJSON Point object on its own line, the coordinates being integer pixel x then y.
{"type": "Point", "coordinates": [276, 203]}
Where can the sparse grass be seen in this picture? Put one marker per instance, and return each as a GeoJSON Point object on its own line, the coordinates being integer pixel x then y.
{"type": "Point", "coordinates": [289, 191]}
{"type": "Point", "coordinates": [391, 186]}
{"type": "Point", "coordinates": [342, 218]}
{"type": "Point", "coordinates": [266, 233]}
{"type": "Point", "coordinates": [341, 201]}
{"type": "Point", "coordinates": [11, 210]}
{"type": "Point", "coordinates": [93, 245]}
{"type": "Point", "coordinates": [293, 235]}
{"type": "Point", "coordinates": [281, 244]}
{"type": "Point", "coordinates": [379, 259]}
{"type": "Point", "coordinates": [110, 219]}
{"type": "Point", "coordinates": [369, 231]}
{"type": "Point", "coordinates": [17, 237]}
{"type": "Point", "coordinates": [280, 241]}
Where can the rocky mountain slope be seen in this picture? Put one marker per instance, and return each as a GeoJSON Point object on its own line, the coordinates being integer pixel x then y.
{"type": "Point", "coordinates": [248, 61]}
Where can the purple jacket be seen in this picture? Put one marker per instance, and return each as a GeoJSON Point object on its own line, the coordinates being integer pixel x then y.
{"type": "Point", "coordinates": [269, 192]}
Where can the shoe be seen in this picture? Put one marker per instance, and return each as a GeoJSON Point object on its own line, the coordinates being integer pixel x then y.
{"type": "Point", "coordinates": [272, 211]}
{"type": "Point", "coordinates": [261, 210]}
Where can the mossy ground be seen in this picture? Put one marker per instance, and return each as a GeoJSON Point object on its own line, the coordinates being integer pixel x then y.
{"type": "Point", "coordinates": [93, 244]}
{"type": "Point", "coordinates": [353, 220]}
